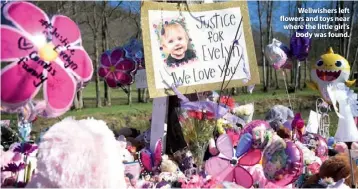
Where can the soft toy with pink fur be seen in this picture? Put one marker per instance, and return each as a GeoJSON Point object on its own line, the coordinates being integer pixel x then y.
{"type": "Point", "coordinates": [79, 154]}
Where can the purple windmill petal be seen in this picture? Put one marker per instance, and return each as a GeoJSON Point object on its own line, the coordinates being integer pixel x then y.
{"type": "Point", "coordinates": [123, 78]}
{"type": "Point", "coordinates": [116, 55]}
{"type": "Point", "coordinates": [111, 80]}
{"type": "Point", "coordinates": [105, 60]}
{"type": "Point", "coordinates": [126, 65]}
{"type": "Point", "coordinates": [103, 72]}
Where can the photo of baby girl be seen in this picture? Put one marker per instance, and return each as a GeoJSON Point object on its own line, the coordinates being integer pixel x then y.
{"type": "Point", "coordinates": [176, 45]}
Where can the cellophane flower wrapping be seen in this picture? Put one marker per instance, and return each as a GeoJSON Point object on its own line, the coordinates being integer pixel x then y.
{"type": "Point", "coordinates": [198, 127]}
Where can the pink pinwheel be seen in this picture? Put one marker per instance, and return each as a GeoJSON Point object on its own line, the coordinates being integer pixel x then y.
{"type": "Point", "coordinates": [228, 166]}
{"type": "Point", "coordinates": [116, 69]}
{"type": "Point", "coordinates": [43, 52]}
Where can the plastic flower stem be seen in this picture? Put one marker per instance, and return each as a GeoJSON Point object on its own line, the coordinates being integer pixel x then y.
{"type": "Point", "coordinates": [28, 173]}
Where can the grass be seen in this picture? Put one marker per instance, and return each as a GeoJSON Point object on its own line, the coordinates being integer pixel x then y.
{"type": "Point", "coordinates": [137, 114]}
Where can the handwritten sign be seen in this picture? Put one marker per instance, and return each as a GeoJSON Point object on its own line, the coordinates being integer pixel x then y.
{"type": "Point", "coordinates": [37, 56]}
{"type": "Point", "coordinates": [192, 44]}
{"type": "Point", "coordinates": [141, 79]}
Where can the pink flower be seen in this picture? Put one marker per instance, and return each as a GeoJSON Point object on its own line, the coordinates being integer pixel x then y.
{"type": "Point", "coordinates": [314, 167]}
{"type": "Point", "coordinates": [115, 68]}
{"type": "Point", "coordinates": [43, 52]}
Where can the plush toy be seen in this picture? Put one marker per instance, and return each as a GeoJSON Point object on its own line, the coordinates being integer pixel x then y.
{"type": "Point", "coordinates": [168, 165]}
{"type": "Point", "coordinates": [284, 132]}
{"type": "Point", "coordinates": [79, 154]}
{"type": "Point", "coordinates": [122, 146]}
{"type": "Point", "coordinates": [144, 138]}
{"type": "Point", "coordinates": [337, 168]}
{"type": "Point", "coordinates": [278, 115]}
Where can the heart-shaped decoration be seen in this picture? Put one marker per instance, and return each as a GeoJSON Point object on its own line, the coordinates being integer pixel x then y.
{"type": "Point", "coordinates": [23, 44]}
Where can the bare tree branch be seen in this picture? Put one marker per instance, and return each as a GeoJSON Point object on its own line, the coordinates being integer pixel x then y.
{"type": "Point", "coordinates": [89, 23]}
{"type": "Point", "coordinates": [112, 10]}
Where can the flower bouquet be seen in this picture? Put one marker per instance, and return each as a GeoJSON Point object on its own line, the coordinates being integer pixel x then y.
{"type": "Point", "coordinates": [245, 112]}
{"type": "Point", "coordinates": [198, 127]}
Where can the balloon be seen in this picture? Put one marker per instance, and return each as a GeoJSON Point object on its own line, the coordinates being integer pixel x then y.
{"type": "Point", "coordinates": [255, 123]}
{"type": "Point", "coordinates": [284, 164]}
{"type": "Point", "coordinates": [258, 129]}
{"type": "Point", "coordinates": [134, 51]}
{"type": "Point", "coordinates": [316, 143]}
{"type": "Point", "coordinates": [300, 46]}
{"type": "Point", "coordinates": [276, 53]}
{"type": "Point", "coordinates": [244, 144]}
{"type": "Point", "coordinates": [39, 57]}
{"type": "Point", "coordinates": [288, 124]}
{"type": "Point", "coordinates": [298, 125]}
{"type": "Point", "coordinates": [330, 141]}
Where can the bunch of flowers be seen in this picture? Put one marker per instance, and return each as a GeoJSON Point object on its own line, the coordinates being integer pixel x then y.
{"type": "Point", "coordinates": [198, 127]}
{"type": "Point", "coordinates": [17, 164]}
{"type": "Point", "coordinates": [244, 111]}
{"type": "Point", "coordinates": [228, 102]}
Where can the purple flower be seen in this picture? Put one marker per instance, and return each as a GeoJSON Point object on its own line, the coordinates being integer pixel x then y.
{"type": "Point", "coordinates": [146, 185]}
{"type": "Point", "coordinates": [17, 157]}
{"type": "Point", "coordinates": [12, 167]}
{"type": "Point", "coordinates": [161, 184]}
{"type": "Point", "coordinates": [26, 148]}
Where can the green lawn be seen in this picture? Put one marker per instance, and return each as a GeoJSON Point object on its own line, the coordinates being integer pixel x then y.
{"type": "Point", "coordinates": [137, 114]}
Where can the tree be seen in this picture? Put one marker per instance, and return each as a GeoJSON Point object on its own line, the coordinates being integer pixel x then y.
{"type": "Point", "coordinates": [298, 63]}
{"type": "Point", "coordinates": [350, 31]}
{"type": "Point", "coordinates": [93, 23]}
{"type": "Point", "coordinates": [107, 95]}
{"type": "Point", "coordinates": [269, 36]}
{"type": "Point", "coordinates": [305, 68]}
{"type": "Point", "coordinates": [263, 59]}
{"type": "Point", "coordinates": [106, 13]}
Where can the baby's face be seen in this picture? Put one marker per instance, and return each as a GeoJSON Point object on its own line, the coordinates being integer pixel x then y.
{"type": "Point", "coordinates": [175, 42]}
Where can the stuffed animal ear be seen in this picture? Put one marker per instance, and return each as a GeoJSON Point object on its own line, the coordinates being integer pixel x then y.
{"type": "Point", "coordinates": [122, 141]}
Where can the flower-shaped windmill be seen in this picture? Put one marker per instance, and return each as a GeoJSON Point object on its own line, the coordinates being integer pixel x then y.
{"type": "Point", "coordinates": [116, 69]}
{"type": "Point", "coordinates": [43, 52]}
{"type": "Point", "coordinates": [227, 166]}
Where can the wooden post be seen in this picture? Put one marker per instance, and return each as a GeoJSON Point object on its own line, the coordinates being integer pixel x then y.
{"type": "Point", "coordinates": [159, 119]}
{"type": "Point", "coordinates": [349, 145]}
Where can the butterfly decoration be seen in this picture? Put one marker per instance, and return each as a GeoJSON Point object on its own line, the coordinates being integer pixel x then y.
{"type": "Point", "coordinates": [151, 161]}
{"type": "Point", "coordinates": [228, 165]}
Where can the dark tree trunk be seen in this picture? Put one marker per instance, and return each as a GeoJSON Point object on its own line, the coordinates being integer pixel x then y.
{"type": "Point", "coordinates": [129, 95]}
{"type": "Point", "coordinates": [263, 59]}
